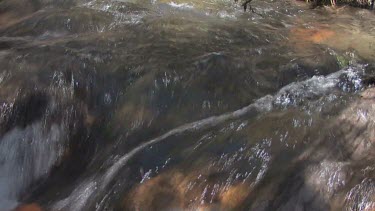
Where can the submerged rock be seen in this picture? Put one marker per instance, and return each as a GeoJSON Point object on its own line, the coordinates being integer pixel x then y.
{"type": "Point", "coordinates": [312, 35]}
{"type": "Point", "coordinates": [362, 196]}
{"type": "Point", "coordinates": [334, 172]}
{"type": "Point", "coordinates": [357, 124]}
{"type": "Point", "coordinates": [174, 190]}
{"type": "Point", "coordinates": [29, 207]}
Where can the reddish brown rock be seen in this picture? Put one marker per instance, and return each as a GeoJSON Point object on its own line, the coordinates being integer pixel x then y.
{"type": "Point", "coordinates": [234, 196]}
{"type": "Point", "coordinates": [29, 207]}
{"type": "Point", "coordinates": [311, 35]}
{"type": "Point", "coordinates": [160, 193]}
{"type": "Point", "coordinates": [175, 190]}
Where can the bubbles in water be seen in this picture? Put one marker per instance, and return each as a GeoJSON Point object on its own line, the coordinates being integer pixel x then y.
{"type": "Point", "coordinates": [107, 98]}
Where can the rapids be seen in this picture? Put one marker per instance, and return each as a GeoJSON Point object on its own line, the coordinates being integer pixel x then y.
{"type": "Point", "coordinates": [186, 105]}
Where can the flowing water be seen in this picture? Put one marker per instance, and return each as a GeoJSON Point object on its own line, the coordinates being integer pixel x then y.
{"type": "Point", "coordinates": [186, 105]}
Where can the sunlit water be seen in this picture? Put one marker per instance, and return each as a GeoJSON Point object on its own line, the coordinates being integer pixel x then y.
{"type": "Point", "coordinates": [186, 105]}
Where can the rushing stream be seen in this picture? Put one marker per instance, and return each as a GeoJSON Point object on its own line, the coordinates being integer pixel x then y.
{"type": "Point", "coordinates": [186, 105]}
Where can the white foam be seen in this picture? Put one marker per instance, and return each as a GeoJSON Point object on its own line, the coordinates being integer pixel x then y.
{"type": "Point", "coordinates": [181, 6]}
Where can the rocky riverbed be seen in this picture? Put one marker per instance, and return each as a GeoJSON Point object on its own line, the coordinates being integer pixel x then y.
{"type": "Point", "coordinates": [185, 105]}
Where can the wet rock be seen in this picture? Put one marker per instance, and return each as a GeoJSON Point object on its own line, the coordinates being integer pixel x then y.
{"type": "Point", "coordinates": [234, 196]}
{"type": "Point", "coordinates": [362, 196]}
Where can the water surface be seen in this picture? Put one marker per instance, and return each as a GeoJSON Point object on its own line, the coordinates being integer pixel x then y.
{"type": "Point", "coordinates": [185, 105]}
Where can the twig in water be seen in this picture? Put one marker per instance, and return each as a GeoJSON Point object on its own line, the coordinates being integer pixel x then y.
{"type": "Point", "coordinates": [247, 4]}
